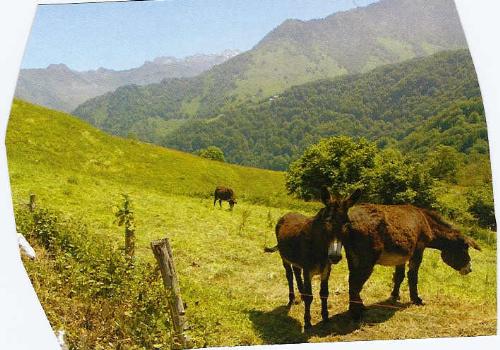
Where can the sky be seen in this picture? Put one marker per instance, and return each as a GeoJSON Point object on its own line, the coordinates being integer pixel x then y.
{"type": "Point", "coordinates": [121, 35]}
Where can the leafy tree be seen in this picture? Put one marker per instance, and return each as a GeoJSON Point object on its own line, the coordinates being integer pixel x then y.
{"type": "Point", "coordinates": [337, 162]}
{"type": "Point", "coordinates": [213, 153]}
{"type": "Point", "coordinates": [344, 163]}
{"type": "Point", "coordinates": [396, 179]}
{"type": "Point", "coordinates": [125, 217]}
{"type": "Point", "coordinates": [443, 163]}
{"type": "Point", "coordinates": [481, 206]}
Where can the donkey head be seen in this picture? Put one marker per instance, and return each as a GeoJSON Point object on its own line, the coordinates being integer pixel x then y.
{"type": "Point", "coordinates": [456, 253]}
{"type": "Point", "coordinates": [232, 202]}
{"type": "Point", "coordinates": [333, 217]}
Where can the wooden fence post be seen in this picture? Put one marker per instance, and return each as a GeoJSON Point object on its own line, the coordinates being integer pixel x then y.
{"type": "Point", "coordinates": [163, 254]}
{"type": "Point", "coordinates": [32, 203]}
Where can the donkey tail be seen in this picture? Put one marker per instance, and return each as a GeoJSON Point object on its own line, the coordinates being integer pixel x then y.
{"type": "Point", "coordinates": [271, 250]}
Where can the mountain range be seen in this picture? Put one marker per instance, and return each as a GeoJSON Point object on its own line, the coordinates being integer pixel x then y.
{"type": "Point", "coordinates": [62, 88]}
{"type": "Point", "coordinates": [294, 53]}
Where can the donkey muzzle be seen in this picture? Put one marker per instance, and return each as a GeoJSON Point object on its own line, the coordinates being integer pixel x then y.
{"type": "Point", "coordinates": [466, 270]}
{"type": "Point", "coordinates": [335, 251]}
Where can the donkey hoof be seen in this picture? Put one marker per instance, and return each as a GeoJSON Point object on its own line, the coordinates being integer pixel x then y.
{"type": "Point", "coordinates": [307, 325]}
{"type": "Point", "coordinates": [418, 301]}
{"type": "Point", "coordinates": [325, 318]}
{"type": "Point", "coordinates": [395, 297]}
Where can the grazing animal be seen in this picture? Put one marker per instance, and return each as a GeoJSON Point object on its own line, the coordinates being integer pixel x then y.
{"type": "Point", "coordinates": [311, 245]}
{"type": "Point", "coordinates": [393, 235]}
{"type": "Point", "coordinates": [224, 194]}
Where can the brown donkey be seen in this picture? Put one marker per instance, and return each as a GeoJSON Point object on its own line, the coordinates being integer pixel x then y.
{"type": "Point", "coordinates": [311, 245]}
{"type": "Point", "coordinates": [392, 235]}
{"type": "Point", "coordinates": [224, 194]}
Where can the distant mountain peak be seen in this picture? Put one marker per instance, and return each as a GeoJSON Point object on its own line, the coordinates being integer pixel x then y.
{"type": "Point", "coordinates": [58, 67]}
{"type": "Point", "coordinates": [229, 53]}
{"type": "Point", "coordinates": [164, 60]}
{"type": "Point", "coordinates": [62, 88]}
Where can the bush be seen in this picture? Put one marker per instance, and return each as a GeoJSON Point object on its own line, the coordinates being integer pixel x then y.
{"type": "Point", "coordinates": [481, 206]}
{"type": "Point", "coordinates": [395, 179]}
{"type": "Point", "coordinates": [343, 164]}
{"type": "Point", "coordinates": [443, 163]}
{"type": "Point", "coordinates": [89, 288]}
{"type": "Point", "coordinates": [213, 153]}
{"type": "Point", "coordinates": [336, 162]}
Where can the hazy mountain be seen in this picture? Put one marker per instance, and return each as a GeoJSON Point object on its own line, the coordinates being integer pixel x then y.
{"type": "Point", "coordinates": [60, 87]}
{"type": "Point", "coordinates": [294, 53]}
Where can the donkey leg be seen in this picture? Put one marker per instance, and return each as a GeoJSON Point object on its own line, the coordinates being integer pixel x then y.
{"type": "Point", "coordinates": [398, 277]}
{"type": "Point", "coordinates": [220, 203]}
{"type": "Point", "coordinates": [414, 265]}
{"type": "Point", "coordinates": [308, 298]}
{"type": "Point", "coordinates": [289, 278]}
{"type": "Point", "coordinates": [357, 278]}
{"type": "Point", "coordinates": [298, 278]}
{"type": "Point", "coordinates": [323, 293]}
{"type": "Point", "coordinates": [215, 201]}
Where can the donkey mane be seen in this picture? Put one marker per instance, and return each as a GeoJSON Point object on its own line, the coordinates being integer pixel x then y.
{"type": "Point", "coordinates": [440, 227]}
{"type": "Point", "coordinates": [437, 218]}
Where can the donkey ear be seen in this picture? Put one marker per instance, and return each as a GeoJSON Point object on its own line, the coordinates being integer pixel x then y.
{"type": "Point", "coordinates": [354, 197]}
{"type": "Point", "coordinates": [326, 196]}
{"type": "Point", "coordinates": [472, 243]}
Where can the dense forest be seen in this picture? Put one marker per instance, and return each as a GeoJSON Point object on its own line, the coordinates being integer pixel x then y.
{"type": "Point", "coordinates": [416, 104]}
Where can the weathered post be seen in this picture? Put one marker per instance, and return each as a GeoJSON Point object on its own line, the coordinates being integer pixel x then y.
{"type": "Point", "coordinates": [163, 254]}
{"type": "Point", "coordinates": [32, 203]}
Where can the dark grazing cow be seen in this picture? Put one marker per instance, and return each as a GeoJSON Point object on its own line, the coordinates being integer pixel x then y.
{"type": "Point", "coordinates": [394, 235]}
{"type": "Point", "coordinates": [224, 194]}
{"type": "Point", "coordinates": [312, 245]}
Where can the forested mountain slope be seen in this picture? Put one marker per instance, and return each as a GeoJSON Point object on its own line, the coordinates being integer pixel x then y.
{"type": "Point", "coordinates": [296, 52]}
{"type": "Point", "coordinates": [385, 104]}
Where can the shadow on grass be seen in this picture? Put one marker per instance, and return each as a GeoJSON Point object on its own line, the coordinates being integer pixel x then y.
{"type": "Point", "coordinates": [277, 327]}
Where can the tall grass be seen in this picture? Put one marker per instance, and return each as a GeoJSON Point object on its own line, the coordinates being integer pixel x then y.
{"type": "Point", "coordinates": [88, 287]}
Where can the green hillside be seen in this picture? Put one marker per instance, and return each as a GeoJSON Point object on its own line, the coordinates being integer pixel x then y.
{"type": "Point", "coordinates": [72, 153]}
{"type": "Point", "coordinates": [235, 294]}
{"type": "Point", "coordinates": [385, 104]}
{"type": "Point", "coordinates": [294, 53]}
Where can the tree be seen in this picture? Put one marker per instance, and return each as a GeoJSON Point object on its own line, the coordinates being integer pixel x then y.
{"type": "Point", "coordinates": [336, 162]}
{"type": "Point", "coordinates": [343, 163]}
{"type": "Point", "coordinates": [212, 152]}
{"type": "Point", "coordinates": [443, 163]}
{"type": "Point", "coordinates": [395, 179]}
{"type": "Point", "coordinates": [125, 217]}
{"type": "Point", "coordinates": [481, 206]}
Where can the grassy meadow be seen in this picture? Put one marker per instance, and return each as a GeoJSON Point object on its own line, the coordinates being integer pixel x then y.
{"type": "Point", "coordinates": [235, 294]}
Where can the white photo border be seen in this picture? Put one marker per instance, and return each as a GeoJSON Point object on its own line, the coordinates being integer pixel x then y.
{"type": "Point", "coordinates": [23, 324]}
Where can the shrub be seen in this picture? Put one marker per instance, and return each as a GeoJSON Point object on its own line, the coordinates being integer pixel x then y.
{"type": "Point", "coordinates": [344, 163]}
{"type": "Point", "coordinates": [213, 153]}
{"type": "Point", "coordinates": [481, 206]}
{"type": "Point", "coordinates": [337, 162]}
{"type": "Point", "coordinates": [443, 163]}
{"type": "Point", "coordinates": [89, 289]}
{"type": "Point", "coordinates": [395, 179]}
